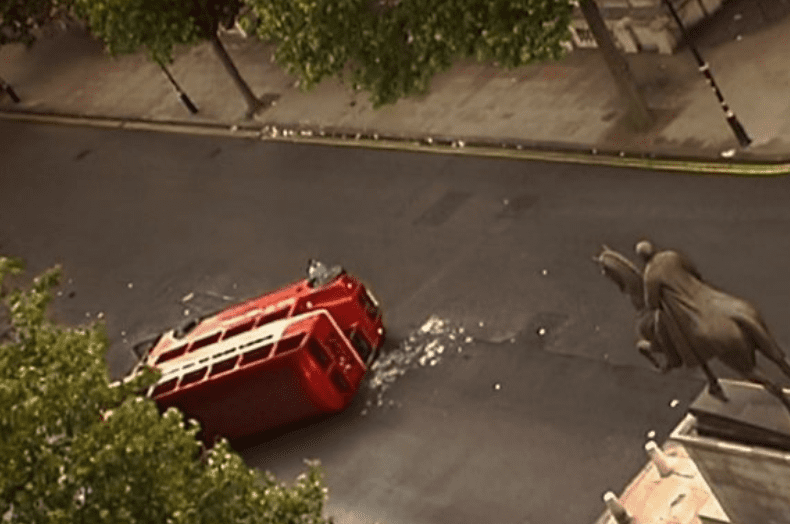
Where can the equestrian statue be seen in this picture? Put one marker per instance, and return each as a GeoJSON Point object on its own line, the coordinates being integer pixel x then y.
{"type": "Point", "coordinates": [687, 321]}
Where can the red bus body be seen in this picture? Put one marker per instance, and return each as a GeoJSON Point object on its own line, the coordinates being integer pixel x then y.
{"type": "Point", "coordinates": [292, 354]}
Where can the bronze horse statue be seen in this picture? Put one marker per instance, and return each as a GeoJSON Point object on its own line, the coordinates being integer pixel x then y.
{"type": "Point", "coordinates": [688, 321]}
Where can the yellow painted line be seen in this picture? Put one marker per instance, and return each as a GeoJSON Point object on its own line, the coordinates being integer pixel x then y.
{"type": "Point", "coordinates": [687, 166]}
{"type": "Point", "coordinates": [296, 136]}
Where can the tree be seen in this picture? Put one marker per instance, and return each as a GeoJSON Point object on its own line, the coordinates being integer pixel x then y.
{"type": "Point", "coordinates": [159, 25]}
{"type": "Point", "coordinates": [77, 449]}
{"type": "Point", "coordinates": [20, 19]}
{"type": "Point", "coordinates": [637, 109]}
{"type": "Point", "coordinates": [19, 22]}
{"type": "Point", "coordinates": [393, 48]}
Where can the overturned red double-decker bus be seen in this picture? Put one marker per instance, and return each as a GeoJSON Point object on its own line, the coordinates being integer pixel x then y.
{"type": "Point", "coordinates": [296, 353]}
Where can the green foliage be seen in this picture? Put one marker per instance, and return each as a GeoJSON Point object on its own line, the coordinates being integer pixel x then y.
{"type": "Point", "coordinates": [128, 25]}
{"type": "Point", "coordinates": [395, 49]}
{"type": "Point", "coordinates": [78, 449]}
{"type": "Point", "coordinates": [157, 25]}
{"type": "Point", "coordinates": [19, 19]}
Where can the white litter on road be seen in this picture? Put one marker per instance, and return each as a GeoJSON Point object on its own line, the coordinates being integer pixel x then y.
{"type": "Point", "coordinates": [188, 297]}
{"type": "Point", "coordinates": [422, 348]}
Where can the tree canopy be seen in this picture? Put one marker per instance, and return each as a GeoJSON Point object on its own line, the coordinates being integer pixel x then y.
{"type": "Point", "coordinates": [128, 25]}
{"type": "Point", "coordinates": [19, 19]}
{"type": "Point", "coordinates": [394, 48]}
{"type": "Point", "coordinates": [78, 449]}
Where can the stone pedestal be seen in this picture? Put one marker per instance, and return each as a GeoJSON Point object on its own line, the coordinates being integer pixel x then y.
{"type": "Point", "coordinates": [742, 450]}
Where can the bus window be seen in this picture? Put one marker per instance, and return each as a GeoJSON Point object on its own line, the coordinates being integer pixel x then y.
{"type": "Point", "coordinates": [164, 387]}
{"type": "Point", "coordinates": [367, 304]}
{"type": "Point", "coordinates": [205, 341]}
{"type": "Point", "coordinates": [223, 365]}
{"type": "Point", "coordinates": [241, 328]}
{"type": "Point", "coordinates": [173, 353]}
{"type": "Point", "coordinates": [193, 376]}
{"type": "Point", "coordinates": [340, 381]}
{"type": "Point", "coordinates": [360, 344]}
{"type": "Point", "coordinates": [288, 344]}
{"type": "Point", "coordinates": [256, 354]}
{"type": "Point", "coordinates": [318, 353]}
{"type": "Point", "coordinates": [271, 317]}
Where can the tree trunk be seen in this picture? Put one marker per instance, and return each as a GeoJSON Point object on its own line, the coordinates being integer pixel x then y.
{"type": "Point", "coordinates": [5, 86]}
{"type": "Point", "coordinates": [253, 103]}
{"type": "Point", "coordinates": [638, 112]}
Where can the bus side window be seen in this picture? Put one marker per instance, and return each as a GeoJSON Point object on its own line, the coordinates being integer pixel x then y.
{"type": "Point", "coordinates": [318, 353]}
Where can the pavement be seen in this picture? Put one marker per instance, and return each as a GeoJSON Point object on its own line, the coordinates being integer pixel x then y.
{"type": "Point", "coordinates": [568, 106]}
{"type": "Point", "coordinates": [669, 489]}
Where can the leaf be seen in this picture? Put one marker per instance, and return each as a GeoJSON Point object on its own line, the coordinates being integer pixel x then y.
{"type": "Point", "coordinates": [79, 450]}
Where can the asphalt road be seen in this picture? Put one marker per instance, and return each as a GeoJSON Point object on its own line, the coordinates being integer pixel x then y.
{"type": "Point", "coordinates": [544, 409]}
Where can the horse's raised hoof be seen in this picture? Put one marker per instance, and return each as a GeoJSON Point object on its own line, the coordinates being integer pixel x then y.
{"type": "Point", "coordinates": [715, 390]}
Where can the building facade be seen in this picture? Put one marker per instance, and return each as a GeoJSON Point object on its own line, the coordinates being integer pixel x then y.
{"type": "Point", "coordinates": [642, 25]}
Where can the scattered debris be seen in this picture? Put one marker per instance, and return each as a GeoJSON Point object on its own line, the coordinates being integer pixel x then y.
{"type": "Point", "coordinates": [130, 285]}
{"type": "Point", "coordinates": [60, 293]}
{"type": "Point", "coordinates": [422, 348]}
{"type": "Point", "coordinates": [497, 386]}
{"type": "Point", "coordinates": [739, 38]}
{"type": "Point", "coordinates": [186, 312]}
{"type": "Point", "coordinates": [737, 16]}
{"type": "Point", "coordinates": [87, 314]}
{"type": "Point", "coordinates": [542, 331]}
{"type": "Point", "coordinates": [513, 340]}
{"type": "Point", "coordinates": [123, 333]}
{"type": "Point", "coordinates": [480, 323]}
{"type": "Point", "coordinates": [651, 434]}
{"type": "Point", "coordinates": [728, 154]}
{"type": "Point", "coordinates": [100, 315]}
{"type": "Point", "coordinates": [234, 128]}
{"type": "Point", "coordinates": [674, 403]}
{"type": "Point", "coordinates": [188, 297]}
{"type": "Point", "coordinates": [544, 272]}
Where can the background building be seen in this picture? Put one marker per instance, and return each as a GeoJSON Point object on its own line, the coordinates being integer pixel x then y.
{"type": "Point", "coordinates": [643, 25]}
